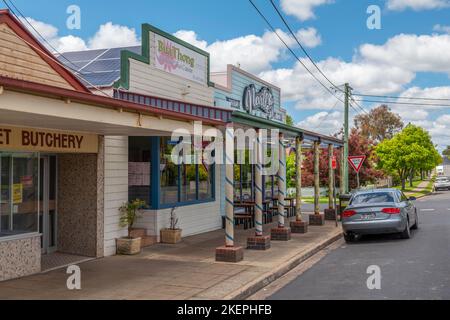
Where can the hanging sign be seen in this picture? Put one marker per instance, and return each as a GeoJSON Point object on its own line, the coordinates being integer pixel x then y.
{"type": "Point", "coordinates": [356, 162]}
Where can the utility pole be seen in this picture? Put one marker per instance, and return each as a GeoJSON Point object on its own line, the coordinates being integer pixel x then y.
{"type": "Point", "coordinates": [346, 135]}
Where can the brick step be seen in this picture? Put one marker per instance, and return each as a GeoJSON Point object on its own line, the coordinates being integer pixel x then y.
{"type": "Point", "coordinates": [138, 233]}
{"type": "Point", "coordinates": [148, 241]}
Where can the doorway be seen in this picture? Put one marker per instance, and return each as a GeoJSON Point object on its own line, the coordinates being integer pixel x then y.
{"type": "Point", "coordinates": [48, 215]}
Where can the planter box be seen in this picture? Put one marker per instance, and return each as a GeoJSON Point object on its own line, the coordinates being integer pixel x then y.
{"type": "Point", "coordinates": [170, 236]}
{"type": "Point", "coordinates": [126, 246]}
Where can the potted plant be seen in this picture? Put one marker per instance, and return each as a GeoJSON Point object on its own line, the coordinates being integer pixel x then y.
{"type": "Point", "coordinates": [171, 235]}
{"type": "Point", "coordinates": [130, 211]}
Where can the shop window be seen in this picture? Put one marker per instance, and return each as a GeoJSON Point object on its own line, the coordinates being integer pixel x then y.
{"type": "Point", "coordinates": [185, 183]}
{"type": "Point", "coordinates": [169, 173]}
{"type": "Point", "coordinates": [206, 181]}
{"type": "Point", "coordinates": [19, 187]}
{"type": "Point", "coordinates": [139, 168]}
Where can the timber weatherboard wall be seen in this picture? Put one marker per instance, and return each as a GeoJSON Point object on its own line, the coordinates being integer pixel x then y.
{"type": "Point", "coordinates": [116, 189]}
{"type": "Point", "coordinates": [19, 61]}
{"type": "Point", "coordinates": [237, 80]}
{"type": "Point", "coordinates": [193, 219]}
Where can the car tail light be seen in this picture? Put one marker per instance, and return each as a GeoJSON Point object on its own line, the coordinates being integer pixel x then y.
{"type": "Point", "coordinates": [391, 210]}
{"type": "Point", "coordinates": [348, 213]}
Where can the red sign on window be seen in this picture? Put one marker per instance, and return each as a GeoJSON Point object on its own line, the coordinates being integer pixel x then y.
{"type": "Point", "coordinates": [334, 163]}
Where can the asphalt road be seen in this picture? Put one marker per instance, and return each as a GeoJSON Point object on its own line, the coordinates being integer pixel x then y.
{"type": "Point", "coordinates": [418, 268]}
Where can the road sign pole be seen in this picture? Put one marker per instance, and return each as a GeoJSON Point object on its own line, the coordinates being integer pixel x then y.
{"type": "Point", "coordinates": [357, 179]}
{"type": "Point", "coordinates": [346, 136]}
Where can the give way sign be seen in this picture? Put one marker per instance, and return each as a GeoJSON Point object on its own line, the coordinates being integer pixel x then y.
{"type": "Point", "coordinates": [356, 162]}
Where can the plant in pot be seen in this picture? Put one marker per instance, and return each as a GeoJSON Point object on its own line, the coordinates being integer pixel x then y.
{"type": "Point", "coordinates": [129, 211]}
{"type": "Point", "coordinates": [171, 235]}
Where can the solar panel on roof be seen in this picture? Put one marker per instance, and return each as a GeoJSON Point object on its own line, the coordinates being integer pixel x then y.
{"type": "Point", "coordinates": [98, 67]}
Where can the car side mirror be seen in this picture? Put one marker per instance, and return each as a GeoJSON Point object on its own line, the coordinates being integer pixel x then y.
{"type": "Point", "coordinates": [412, 198]}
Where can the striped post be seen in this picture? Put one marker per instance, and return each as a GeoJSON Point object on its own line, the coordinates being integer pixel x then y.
{"type": "Point", "coordinates": [229, 186]}
{"type": "Point", "coordinates": [281, 182]}
{"type": "Point", "coordinates": [258, 186]}
{"type": "Point", "coordinates": [330, 177]}
{"type": "Point", "coordinates": [342, 173]}
{"type": "Point", "coordinates": [298, 163]}
{"type": "Point", "coordinates": [316, 178]}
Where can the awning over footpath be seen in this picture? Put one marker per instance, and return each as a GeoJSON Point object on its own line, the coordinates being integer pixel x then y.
{"type": "Point", "coordinates": [289, 131]}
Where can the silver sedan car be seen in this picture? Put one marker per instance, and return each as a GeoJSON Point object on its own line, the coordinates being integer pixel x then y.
{"type": "Point", "coordinates": [379, 211]}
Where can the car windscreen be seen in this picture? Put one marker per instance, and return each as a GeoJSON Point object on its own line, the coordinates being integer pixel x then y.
{"type": "Point", "coordinates": [375, 197]}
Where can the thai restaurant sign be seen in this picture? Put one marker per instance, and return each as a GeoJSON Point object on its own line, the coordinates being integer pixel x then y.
{"type": "Point", "coordinates": [173, 57]}
{"type": "Point", "coordinates": [43, 140]}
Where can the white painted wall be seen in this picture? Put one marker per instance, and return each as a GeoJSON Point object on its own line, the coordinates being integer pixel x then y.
{"type": "Point", "coordinates": [193, 219]}
{"type": "Point", "coordinates": [116, 189]}
{"type": "Point", "coordinates": [145, 79]}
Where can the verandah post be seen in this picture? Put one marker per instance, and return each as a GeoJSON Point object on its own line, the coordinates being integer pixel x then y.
{"type": "Point", "coordinates": [229, 252]}
{"type": "Point", "coordinates": [298, 226]}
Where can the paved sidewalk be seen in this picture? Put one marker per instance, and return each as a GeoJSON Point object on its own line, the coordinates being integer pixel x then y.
{"type": "Point", "coordinates": [184, 271]}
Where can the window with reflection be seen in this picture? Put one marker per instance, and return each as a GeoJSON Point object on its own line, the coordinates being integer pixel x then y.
{"type": "Point", "coordinates": [19, 188]}
{"type": "Point", "coordinates": [139, 168]}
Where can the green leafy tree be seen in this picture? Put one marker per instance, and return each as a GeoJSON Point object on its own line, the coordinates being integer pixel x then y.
{"type": "Point", "coordinates": [289, 120]}
{"type": "Point", "coordinates": [408, 151]}
{"type": "Point", "coordinates": [381, 123]}
{"type": "Point", "coordinates": [447, 152]}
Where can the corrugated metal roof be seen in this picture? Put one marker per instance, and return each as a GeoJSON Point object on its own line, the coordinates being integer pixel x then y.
{"type": "Point", "coordinates": [96, 68]}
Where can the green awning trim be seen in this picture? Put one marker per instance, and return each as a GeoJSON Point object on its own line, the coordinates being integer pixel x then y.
{"type": "Point", "coordinates": [289, 131]}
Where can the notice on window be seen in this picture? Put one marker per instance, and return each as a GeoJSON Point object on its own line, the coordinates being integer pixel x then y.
{"type": "Point", "coordinates": [17, 193]}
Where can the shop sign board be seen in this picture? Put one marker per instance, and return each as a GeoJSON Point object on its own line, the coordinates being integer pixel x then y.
{"type": "Point", "coordinates": [262, 100]}
{"type": "Point", "coordinates": [43, 140]}
{"type": "Point", "coordinates": [174, 58]}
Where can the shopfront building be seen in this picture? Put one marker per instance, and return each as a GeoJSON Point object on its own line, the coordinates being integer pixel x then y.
{"type": "Point", "coordinates": [69, 158]}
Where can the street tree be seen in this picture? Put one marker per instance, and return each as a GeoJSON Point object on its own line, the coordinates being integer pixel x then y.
{"type": "Point", "coordinates": [408, 151]}
{"type": "Point", "coordinates": [358, 145]}
{"type": "Point", "coordinates": [447, 152]}
{"type": "Point", "coordinates": [380, 124]}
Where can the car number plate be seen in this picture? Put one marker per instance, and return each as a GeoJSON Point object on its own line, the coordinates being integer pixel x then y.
{"type": "Point", "coordinates": [368, 216]}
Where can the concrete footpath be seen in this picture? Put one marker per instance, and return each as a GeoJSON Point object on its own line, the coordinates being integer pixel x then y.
{"type": "Point", "coordinates": [184, 271]}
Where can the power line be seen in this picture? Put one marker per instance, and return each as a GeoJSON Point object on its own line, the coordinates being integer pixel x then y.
{"type": "Point", "coordinates": [35, 30]}
{"type": "Point", "coordinates": [394, 97]}
{"type": "Point", "coordinates": [301, 46]}
{"type": "Point", "coordinates": [291, 51]}
{"type": "Point", "coordinates": [74, 71]}
{"type": "Point", "coordinates": [307, 54]}
{"type": "Point", "coordinates": [405, 103]}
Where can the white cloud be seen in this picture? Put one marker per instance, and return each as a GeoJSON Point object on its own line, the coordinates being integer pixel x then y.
{"type": "Point", "coordinates": [327, 123]}
{"type": "Point", "coordinates": [254, 53]}
{"type": "Point", "coordinates": [411, 52]}
{"type": "Point", "coordinates": [302, 9]}
{"type": "Point", "coordinates": [108, 36]}
{"type": "Point", "coordinates": [309, 37]}
{"type": "Point", "coordinates": [441, 28]}
{"type": "Point", "coordinates": [112, 35]}
{"type": "Point", "coordinates": [70, 43]}
{"type": "Point", "coordinates": [417, 5]}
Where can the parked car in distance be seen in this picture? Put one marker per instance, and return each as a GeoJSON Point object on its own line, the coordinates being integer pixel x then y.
{"type": "Point", "coordinates": [442, 183]}
{"type": "Point", "coordinates": [379, 211]}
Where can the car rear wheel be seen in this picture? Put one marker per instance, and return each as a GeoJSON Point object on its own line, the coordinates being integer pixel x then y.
{"type": "Point", "coordinates": [416, 224]}
{"type": "Point", "coordinates": [349, 238]}
{"type": "Point", "coordinates": [406, 234]}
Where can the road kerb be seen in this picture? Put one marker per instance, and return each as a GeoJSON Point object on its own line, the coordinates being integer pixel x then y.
{"type": "Point", "coordinates": [251, 288]}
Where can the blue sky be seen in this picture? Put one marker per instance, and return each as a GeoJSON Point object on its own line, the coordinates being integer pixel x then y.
{"type": "Point", "coordinates": [407, 56]}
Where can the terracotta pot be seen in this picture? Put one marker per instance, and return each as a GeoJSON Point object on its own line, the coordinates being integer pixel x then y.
{"type": "Point", "coordinates": [170, 236]}
{"type": "Point", "coordinates": [126, 246]}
